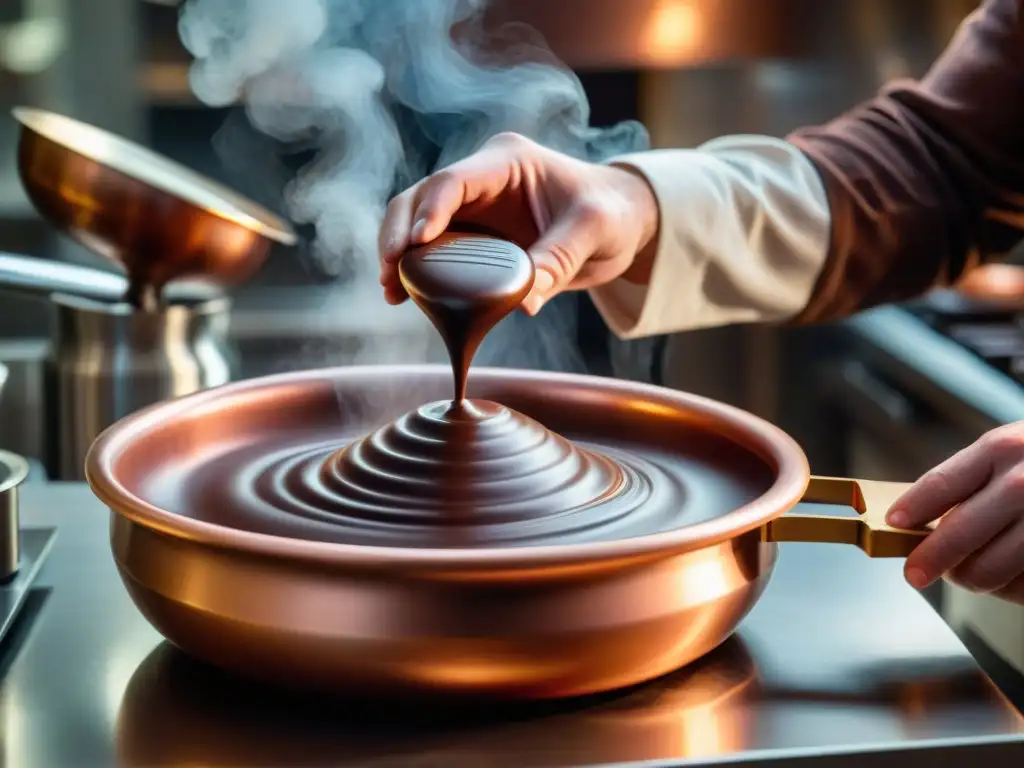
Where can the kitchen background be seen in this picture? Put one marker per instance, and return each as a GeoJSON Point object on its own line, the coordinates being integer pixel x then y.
{"type": "Point", "coordinates": [885, 395]}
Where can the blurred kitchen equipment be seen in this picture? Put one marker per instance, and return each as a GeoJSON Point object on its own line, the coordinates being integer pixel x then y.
{"type": "Point", "coordinates": [8, 514]}
{"type": "Point", "coordinates": [21, 551]}
{"type": "Point", "coordinates": [122, 343]}
{"type": "Point", "coordinates": [46, 277]}
{"type": "Point", "coordinates": [13, 471]}
{"type": "Point", "coordinates": [232, 483]}
{"type": "Point", "coordinates": [159, 220]}
{"type": "Point", "coordinates": [108, 360]}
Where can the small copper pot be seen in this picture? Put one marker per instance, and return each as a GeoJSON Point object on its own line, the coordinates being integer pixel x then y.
{"type": "Point", "coordinates": [157, 219]}
{"type": "Point", "coordinates": [513, 622]}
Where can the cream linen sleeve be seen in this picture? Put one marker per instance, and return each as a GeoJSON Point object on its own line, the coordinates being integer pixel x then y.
{"type": "Point", "coordinates": [745, 231]}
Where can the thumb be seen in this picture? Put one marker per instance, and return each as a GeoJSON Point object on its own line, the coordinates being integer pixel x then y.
{"type": "Point", "coordinates": [558, 256]}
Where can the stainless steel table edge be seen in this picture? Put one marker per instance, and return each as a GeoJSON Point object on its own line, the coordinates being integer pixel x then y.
{"type": "Point", "coordinates": [993, 752]}
{"type": "Point", "coordinates": [36, 544]}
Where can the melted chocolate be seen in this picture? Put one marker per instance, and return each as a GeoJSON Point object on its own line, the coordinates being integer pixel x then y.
{"type": "Point", "coordinates": [483, 469]}
{"type": "Point", "coordinates": [463, 472]}
{"type": "Point", "coordinates": [285, 482]}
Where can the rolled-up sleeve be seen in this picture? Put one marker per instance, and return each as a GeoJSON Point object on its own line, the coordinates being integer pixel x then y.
{"type": "Point", "coordinates": [926, 180]}
{"type": "Point", "coordinates": [743, 237]}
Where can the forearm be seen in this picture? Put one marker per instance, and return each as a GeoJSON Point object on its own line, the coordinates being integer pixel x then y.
{"type": "Point", "coordinates": [926, 180]}
{"type": "Point", "coordinates": [902, 194]}
{"type": "Point", "coordinates": [744, 234]}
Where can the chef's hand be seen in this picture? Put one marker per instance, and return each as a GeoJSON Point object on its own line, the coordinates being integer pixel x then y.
{"type": "Point", "coordinates": [980, 542]}
{"type": "Point", "coordinates": [583, 224]}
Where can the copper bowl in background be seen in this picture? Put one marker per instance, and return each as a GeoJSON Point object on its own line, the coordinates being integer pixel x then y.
{"type": "Point", "coordinates": [156, 218]}
{"type": "Point", "coordinates": [532, 622]}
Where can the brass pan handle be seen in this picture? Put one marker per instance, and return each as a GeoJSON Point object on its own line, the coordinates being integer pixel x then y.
{"type": "Point", "coordinates": [871, 500]}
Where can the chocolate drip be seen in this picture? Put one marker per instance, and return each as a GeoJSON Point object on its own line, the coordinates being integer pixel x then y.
{"type": "Point", "coordinates": [475, 466]}
{"type": "Point", "coordinates": [466, 284]}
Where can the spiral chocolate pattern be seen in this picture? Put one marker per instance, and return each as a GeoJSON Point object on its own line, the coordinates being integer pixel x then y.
{"type": "Point", "coordinates": [449, 475]}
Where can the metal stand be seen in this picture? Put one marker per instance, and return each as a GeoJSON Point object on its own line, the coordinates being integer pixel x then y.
{"type": "Point", "coordinates": [35, 546]}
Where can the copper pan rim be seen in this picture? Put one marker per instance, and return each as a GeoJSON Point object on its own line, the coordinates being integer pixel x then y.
{"type": "Point", "coordinates": [792, 475]}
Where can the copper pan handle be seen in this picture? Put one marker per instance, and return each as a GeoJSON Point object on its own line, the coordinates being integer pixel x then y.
{"type": "Point", "coordinates": [871, 500]}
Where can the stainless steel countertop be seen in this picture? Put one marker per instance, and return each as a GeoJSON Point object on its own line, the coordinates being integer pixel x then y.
{"type": "Point", "coordinates": [839, 657]}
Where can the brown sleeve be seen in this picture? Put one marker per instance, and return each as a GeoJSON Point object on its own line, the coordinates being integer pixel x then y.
{"type": "Point", "coordinates": [927, 179]}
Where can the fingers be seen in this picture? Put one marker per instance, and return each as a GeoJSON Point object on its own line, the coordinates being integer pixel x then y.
{"type": "Point", "coordinates": [422, 212]}
{"type": "Point", "coordinates": [414, 217]}
{"type": "Point", "coordinates": [965, 530]}
{"type": "Point", "coordinates": [1014, 591]}
{"type": "Point", "coordinates": [998, 563]}
{"type": "Point", "coordinates": [441, 197]}
{"type": "Point", "coordinates": [560, 253]}
{"type": "Point", "coordinates": [956, 479]}
{"type": "Point", "coordinates": [393, 241]}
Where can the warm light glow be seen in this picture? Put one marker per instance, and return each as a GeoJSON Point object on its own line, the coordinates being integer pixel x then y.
{"type": "Point", "coordinates": [674, 30]}
{"type": "Point", "coordinates": [468, 673]}
{"type": "Point", "coordinates": [706, 733]}
{"type": "Point", "coordinates": [31, 46]}
{"type": "Point", "coordinates": [651, 408]}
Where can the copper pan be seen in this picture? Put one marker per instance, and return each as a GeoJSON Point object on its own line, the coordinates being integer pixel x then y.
{"type": "Point", "coordinates": [514, 622]}
{"type": "Point", "coordinates": [157, 219]}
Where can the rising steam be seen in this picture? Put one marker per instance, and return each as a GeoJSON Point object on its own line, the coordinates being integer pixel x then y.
{"type": "Point", "coordinates": [380, 93]}
{"type": "Point", "coordinates": [354, 100]}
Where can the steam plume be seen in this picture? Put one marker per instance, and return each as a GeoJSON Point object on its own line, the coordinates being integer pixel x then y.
{"type": "Point", "coordinates": [380, 93]}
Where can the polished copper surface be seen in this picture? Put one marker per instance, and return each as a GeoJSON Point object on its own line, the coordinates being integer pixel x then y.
{"type": "Point", "coordinates": [280, 594]}
{"type": "Point", "coordinates": [156, 218]}
{"type": "Point", "coordinates": [466, 283]}
{"type": "Point", "coordinates": [170, 462]}
{"type": "Point", "coordinates": [287, 597]}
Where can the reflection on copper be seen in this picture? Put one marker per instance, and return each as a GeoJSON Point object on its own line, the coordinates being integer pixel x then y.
{"type": "Point", "coordinates": [158, 220]}
{"type": "Point", "coordinates": [281, 590]}
{"type": "Point", "coordinates": [698, 712]}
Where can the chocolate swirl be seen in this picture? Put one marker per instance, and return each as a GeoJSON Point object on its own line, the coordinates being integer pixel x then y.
{"type": "Point", "coordinates": [479, 459]}
{"type": "Point", "coordinates": [448, 475]}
